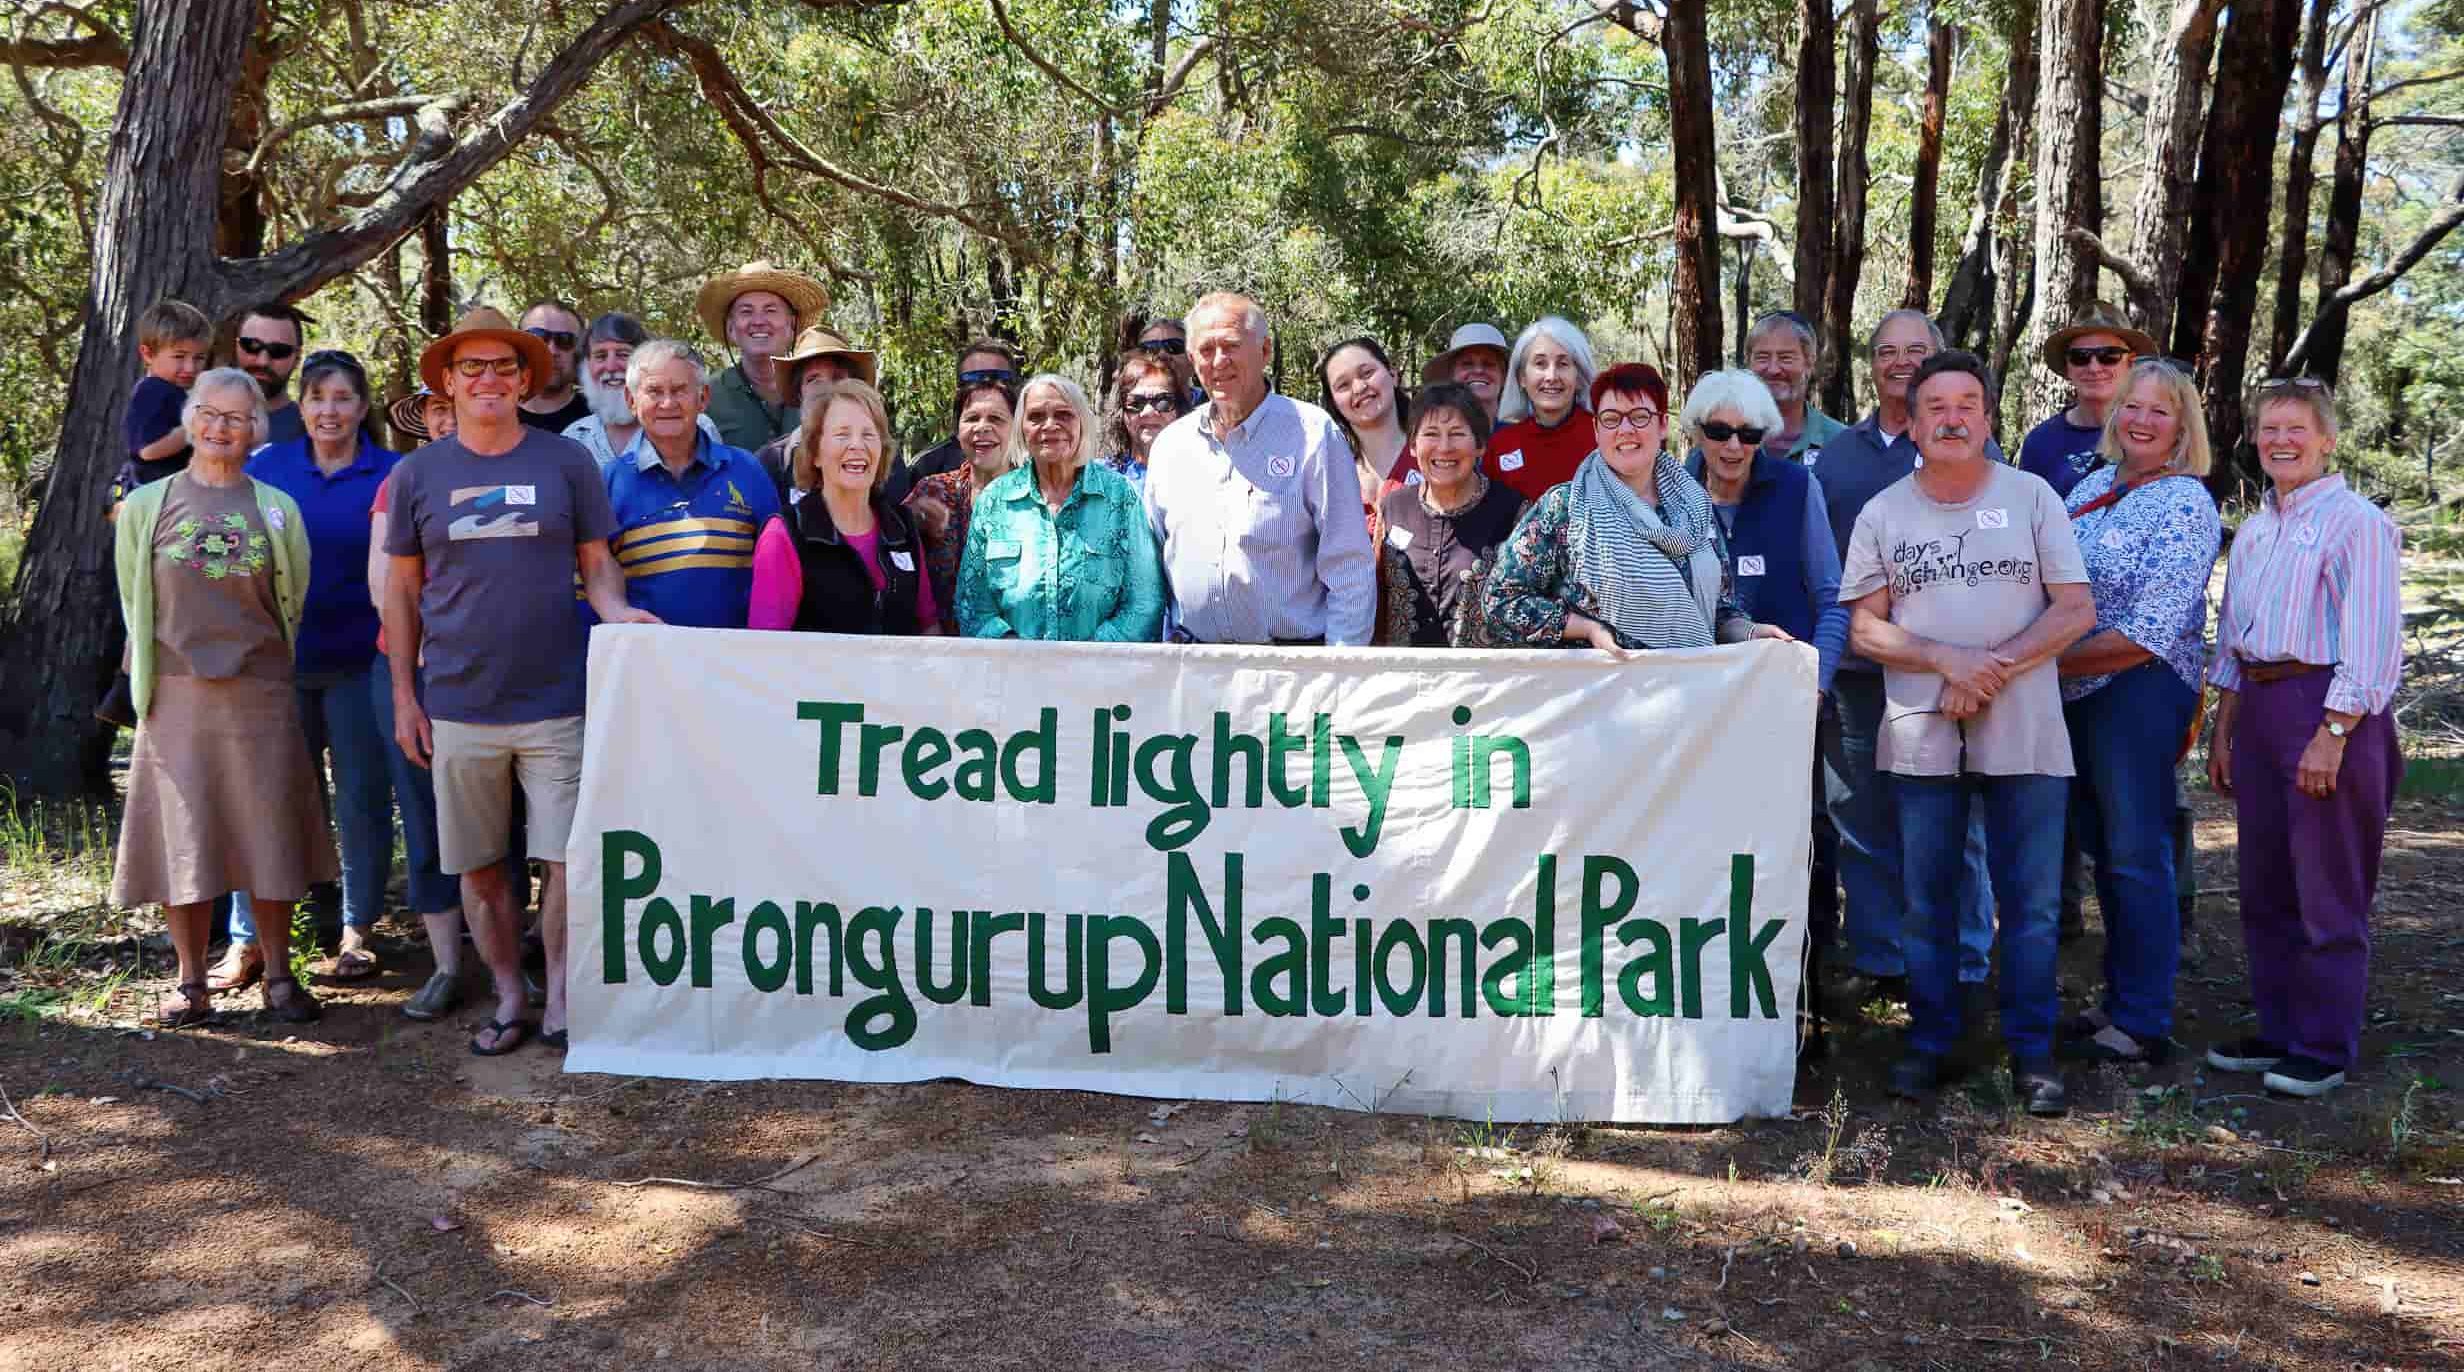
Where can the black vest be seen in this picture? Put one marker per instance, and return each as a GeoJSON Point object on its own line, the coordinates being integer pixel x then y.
{"type": "Point", "coordinates": [838, 594]}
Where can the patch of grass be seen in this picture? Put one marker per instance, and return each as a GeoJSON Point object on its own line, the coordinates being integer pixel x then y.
{"type": "Point", "coordinates": [2433, 778]}
{"type": "Point", "coordinates": [67, 844]}
{"type": "Point", "coordinates": [2164, 1116]}
{"type": "Point", "coordinates": [31, 1005]}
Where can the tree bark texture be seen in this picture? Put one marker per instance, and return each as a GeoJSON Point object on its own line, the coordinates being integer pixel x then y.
{"type": "Point", "coordinates": [436, 271]}
{"type": "Point", "coordinates": [2180, 56]}
{"type": "Point", "coordinates": [1968, 313]}
{"type": "Point", "coordinates": [1694, 159]}
{"type": "Point", "coordinates": [1940, 41]}
{"type": "Point", "coordinates": [2300, 178]}
{"type": "Point", "coordinates": [2238, 158]}
{"type": "Point", "coordinates": [1817, 102]}
{"type": "Point", "coordinates": [1839, 322]}
{"type": "Point", "coordinates": [2340, 238]}
{"type": "Point", "coordinates": [2068, 180]}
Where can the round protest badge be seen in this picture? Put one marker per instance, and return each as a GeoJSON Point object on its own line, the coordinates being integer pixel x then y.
{"type": "Point", "coordinates": [1279, 465]}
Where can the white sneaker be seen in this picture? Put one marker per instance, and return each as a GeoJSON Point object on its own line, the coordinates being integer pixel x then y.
{"type": "Point", "coordinates": [2301, 1076]}
{"type": "Point", "coordinates": [2245, 1055]}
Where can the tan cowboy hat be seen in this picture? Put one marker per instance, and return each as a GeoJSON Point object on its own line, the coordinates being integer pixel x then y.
{"type": "Point", "coordinates": [1470, 336]}
{"type": "Point", "coordinates": [487, 323]}
{"type": "Point", "coordinates": [807, 297]}
{"type": "Point", "coordinates": [2097, 318]}
{"type": "Point", "coordinates": [820, 341]}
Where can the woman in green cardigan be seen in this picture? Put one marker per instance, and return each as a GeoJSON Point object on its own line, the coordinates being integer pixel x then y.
{"type": "Point", "coordinates": [213, 570]}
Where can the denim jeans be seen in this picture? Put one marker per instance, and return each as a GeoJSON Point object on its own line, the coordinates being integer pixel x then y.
{"type": "Point", "coordinates": [1867, 819]}
{"type": "Point", "coordinates": [2023, 842]}
{"type": "Point", "coordinates": [2123, 737]}
{"type": "Point", "coordinates": [334, 711]}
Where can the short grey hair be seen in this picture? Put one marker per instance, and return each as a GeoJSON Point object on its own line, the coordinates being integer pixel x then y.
{"type": "Point", "coordinates": [1068, 390]}
{"type": "Point", "coordinates": [229, 379]}
{"type": "Point", "coordinates": [658, 352]}
{"type": "Point", "coordinates": [1253, 316]}
{"type": "Point", "coordinates": [1515, 404]}
{"type": "Point", "coordinates": [1933, 331]}
{"type": "Point", "coordinates": [1734, 389]}
{"type": "Point", "coordinates": [1793, 322]}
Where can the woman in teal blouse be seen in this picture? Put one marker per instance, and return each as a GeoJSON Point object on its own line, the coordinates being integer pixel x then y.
{"type": "Point", "coordinates": [1059, 548]}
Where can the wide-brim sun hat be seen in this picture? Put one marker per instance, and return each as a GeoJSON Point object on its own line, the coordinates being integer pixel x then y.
{"type": "Point", "coordinates": [2099, 317]}
{"type": "Point", "coordinates": [1470, 336]}
{"type": "Point", "coordinates": [820, 342]}
{"type": "Point", "coordinates": [806, 296]}
{"type": "Point", "coordinates": [409, 415]}
{"type": "Point", "coordinates": [483, 324]}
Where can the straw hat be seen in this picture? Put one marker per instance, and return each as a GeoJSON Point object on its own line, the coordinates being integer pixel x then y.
{"type": "Point", "coordinates": [819, 341]}
{"type": "Point", "coordinates": [807, 297]}
{"type": "Point", "coordinates": [1470, 336]}
{"type": "Point", "coordinates": [410, 415]}
{"type": "Point", "coordinates": [491, 324]}
{"type": "Point", "coordinates": [2097, 318]}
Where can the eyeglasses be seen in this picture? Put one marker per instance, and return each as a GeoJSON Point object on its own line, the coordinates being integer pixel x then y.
{"type": "Point", "coordinates": [1612, 420]}
{"type": "Point", "coordinates": [562, 339]}
{"type": "Point", "coordinates": [1170, 347]}
{"type": "Point", "coordinates": [1141, 404]}
{"type": "Point", "coordinates": [1717, 432]}
{"type": "Point", "coordinates": [273, 352]}
{"type": "Point", "coordinates": [209, 418]}
{"type": "Point", "coordinates": [481, 366]}
{"type": "Point", "coordinates": [2109, 357]}
{"type": "Point", "coordinates": [981, 375]}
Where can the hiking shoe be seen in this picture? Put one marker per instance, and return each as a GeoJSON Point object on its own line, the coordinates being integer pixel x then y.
{"type": "Point", "coordinates": [440, 997]}
{"type": "Point", "coordinates": [2253, 1054]}
{"type": "Point", "coordinates": [2114, 1044]}
{"type": "Point", "coordinates": [2296, 1075]}
{"type": "Point", "coordinates": [2038, 1085]}
{"type": "Point", "coordinates": [1914, 1077]}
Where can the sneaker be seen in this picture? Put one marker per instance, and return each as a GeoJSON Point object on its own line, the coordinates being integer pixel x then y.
{"type": "Point", "coordinates": [2296, 1075]}
{"type": "Point", "coordinates": [2113, 1044]}
{"type": "Point", "coordinates": [2252, 1054]}
{"type": "Point", "coordinates": [438, 998]}
{"type": "Point", "coordinates": [2038, 1085]}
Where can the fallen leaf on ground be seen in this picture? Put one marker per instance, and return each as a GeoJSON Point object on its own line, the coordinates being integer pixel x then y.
{"type": "Point", "coordinates": [1606, 1230]}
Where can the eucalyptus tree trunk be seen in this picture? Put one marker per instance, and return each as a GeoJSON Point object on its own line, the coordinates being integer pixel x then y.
{"type": "Point", "coordinates": [2068, 181]}
{"type": "Point", "coordinates": [1839, 322]}
{"type": "Point", "coordinates": [1694, 160]}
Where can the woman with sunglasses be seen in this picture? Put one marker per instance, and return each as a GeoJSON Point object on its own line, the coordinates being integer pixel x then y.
{"type": "Point", "coordinates": [1775, 530]}
{"type": "Point", "coordinates": [2309, 650]}
{"type": "Point", "coordinates": [213, 569]}
{"type": "Point", "coordinates": [1626, 554]}
{"type": "Point", "coordinates": [333, 475]}
{"type": "Point", "coordinates": [2093, 355]}
{"type": "Point", "coordinates": [1147, 397]}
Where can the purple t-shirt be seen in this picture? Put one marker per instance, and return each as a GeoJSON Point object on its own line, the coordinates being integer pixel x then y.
{"type": "Point", "coordinates": [503, 643]}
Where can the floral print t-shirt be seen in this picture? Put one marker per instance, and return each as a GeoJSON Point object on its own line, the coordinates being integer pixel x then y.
{"type": "Point", "coordinates": [2148, 557]}
{"type": "Point", "coordinates": [215, 614]}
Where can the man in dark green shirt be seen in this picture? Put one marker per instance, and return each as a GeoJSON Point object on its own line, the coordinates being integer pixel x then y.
{"type": "Point", "coordinates": [757, 310]}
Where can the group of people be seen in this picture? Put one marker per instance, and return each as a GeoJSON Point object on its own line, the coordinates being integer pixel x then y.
{"type": "Point", "coordinates": [2010, 658]}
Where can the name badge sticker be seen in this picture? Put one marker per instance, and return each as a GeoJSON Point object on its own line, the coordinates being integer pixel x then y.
{"type": "Point", "coordinates": [2307, 535]}
{"type": "Point", "coordinates": [275, 519]}
{"type": "Point", "coordinates": [2113, 539]}
{"type": "Point", "coordinates": [903, 561]}
{"type": "Point", "coordinates": [994, 550]}
{"type": "Point", "coordinates": [1412, 477]}
{"type": "Point", "coordinates": [1510, 462]}
{"type": "Point", "coordinates": [1280, 465]}
{"type": "Point", "coordinates": [1993, 519]}
{"type": "Point", "coordinates": [1749, 566]}
{"type": "Point", "coordinates": [521, 495]}
{"type": "Point", "coordinates": [1401, 538]}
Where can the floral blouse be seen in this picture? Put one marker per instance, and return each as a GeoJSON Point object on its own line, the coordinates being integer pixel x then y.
{"type": "Point", "coordinates": [956, 492]}
{"type": "Point", "coordinates": [1088, 572]}
{"type": "Point", "coordinates": [1532, 589]}
{"type": "Point", "coordinates": [2148, 556]}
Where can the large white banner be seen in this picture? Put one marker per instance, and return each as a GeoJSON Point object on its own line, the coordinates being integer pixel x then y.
{"type": "Point", "coordinates": [1492, 885]}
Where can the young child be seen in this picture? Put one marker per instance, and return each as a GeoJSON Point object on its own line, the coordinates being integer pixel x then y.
{"type": "Point", "coordinates": [173, 339]}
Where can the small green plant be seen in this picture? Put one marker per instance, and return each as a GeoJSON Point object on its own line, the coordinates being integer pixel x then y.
{"type": "Point", "coordinates": [303, 941]}
{"type": "Point", "coordinates": [2164, 1116]}
{"type": "Point", "coordinates": [1266, 1127]}
{"type": "Point", "coordinates": [1659, 1212]}
{"type": "Point", "coordinates": [1820, 1167]}
{"type": "Point", "coordinates": [2209, 1268]}
{"type": "Point", "coordinates": [30, 1005]}
{"type": "Point", "coordinates": [2405, 1125]}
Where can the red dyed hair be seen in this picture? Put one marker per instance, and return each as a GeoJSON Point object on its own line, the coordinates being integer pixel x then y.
{"type": "Point", "coordinates": [1631, 378]}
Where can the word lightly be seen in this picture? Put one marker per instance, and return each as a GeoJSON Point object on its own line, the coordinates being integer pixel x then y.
{"type": "Point", "coordinates": [1110, 964]}
{"type": "Point", "coordinates": [1164, 767]}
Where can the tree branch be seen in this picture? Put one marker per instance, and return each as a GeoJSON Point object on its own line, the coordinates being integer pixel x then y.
{"type": "Point", "coordinates": [1179, 77]}
{"type": "Point", "coordinates": [436, 167]}
{"type": "Point", "coordinates": [2133, 280]}
{"type": "Point", "coordinates": [102, 46]}
{"type": "Point", "coordinates": [2430, 79]}
{"type": "Point", "coordinates": [1001, 16]}
{"type": "Point", "coordinates": [2430, 236]}
{"type": "Point", "coordinates": [2419, 121]}
{"type": "Point", "coordinates": [355, 111]}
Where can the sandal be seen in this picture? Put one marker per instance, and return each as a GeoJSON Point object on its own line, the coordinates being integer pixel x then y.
{"type": "Point", "coordinates": [351, 964]}
{"type": "Point", "coordinates": [502, 1029]}
{"type": "Point", "coordinates": [298, 1007]}
{"type": "Point", "coordinates": [242, 966]}
{"type": "Point", "coordinates": [441, 996]}
{"type": "Point", "coordinates": [194, 1005]}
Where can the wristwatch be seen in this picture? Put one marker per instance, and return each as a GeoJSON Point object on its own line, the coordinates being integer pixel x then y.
{"type": "Point", "coordinates": [2336, 729]}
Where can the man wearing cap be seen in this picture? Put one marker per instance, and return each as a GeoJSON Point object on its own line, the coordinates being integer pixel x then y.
{"type": "Point", "coordinates": [1476, 358]}
{"type": "Point", "coordinates": [486, 533]}
{"type": "Point", "coordinates": [757, 310]}
{"type": "Point", "coordinates": [819, 358]}
{"type": "Point", "coordinates": [1782, 351]}
{"type": "Point", "coordinates": [984, 359]}
{"type": "Point", "coordinates": [688, 507]}
{"type": "Point", "coordinates": [2093, 354]}
{"type": "Point", "coordinates": [1255, 500]}
{"type": "Point", "coordinates": [558, 404]}
{"type": "Point", "coordinates": [611, 427]}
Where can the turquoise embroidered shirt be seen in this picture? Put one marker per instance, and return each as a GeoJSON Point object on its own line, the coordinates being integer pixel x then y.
{"type": "Point", "coordinates": [1088, 572]}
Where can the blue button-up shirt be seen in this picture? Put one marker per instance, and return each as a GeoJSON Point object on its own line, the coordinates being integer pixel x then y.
{"type": "Point", "coordinates": [686, 542]}
{"type": "Point", "coordinates": [337, 632]}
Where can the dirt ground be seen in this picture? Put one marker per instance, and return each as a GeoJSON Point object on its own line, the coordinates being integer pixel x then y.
{"type": "Point", "coordinates": [364, 1194]}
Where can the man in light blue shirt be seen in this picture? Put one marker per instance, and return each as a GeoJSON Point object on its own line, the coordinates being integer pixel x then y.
{"type": "Point", "coordinates": [1255, 501]}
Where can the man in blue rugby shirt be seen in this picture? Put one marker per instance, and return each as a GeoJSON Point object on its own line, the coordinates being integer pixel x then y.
{"type": "Point", "coordinates": [688, 507]}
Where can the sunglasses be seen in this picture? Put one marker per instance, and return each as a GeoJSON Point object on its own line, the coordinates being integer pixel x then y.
{"type": "Point", "coordinates": [481, 366]}
{"type": "Point", "coordinates": [1717, 432]}
{"type": "Point", "coordinates": [1612, 420]}
{"type": "Point", "coordinates": [334, 357]}
{"type": "Point", "coordinates": [1170, 347]}
{"type": "Point", "coordinates": [2110, 357]}
{"type": "Point", "coordinates": [2291, 383]}
{"type": "Point", "coordinates": [1141, 404]}
{"type": "Point", "coordinates": [981, 375]}
{"type": "Point", "coordinates": [561, 339]}
{"type": "Point", "coordinates": [273, 352]}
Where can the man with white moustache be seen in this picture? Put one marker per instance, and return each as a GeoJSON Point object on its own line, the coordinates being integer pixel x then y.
{"type": "Point", "coordinates": [611, 427]}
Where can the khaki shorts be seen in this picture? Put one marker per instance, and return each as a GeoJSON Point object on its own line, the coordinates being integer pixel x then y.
{"type": "Point", "coordinates": [475, 768]}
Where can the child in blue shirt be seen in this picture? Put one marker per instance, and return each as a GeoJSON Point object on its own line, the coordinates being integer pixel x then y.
{"type": "Point", "coordinates": [173, 338]}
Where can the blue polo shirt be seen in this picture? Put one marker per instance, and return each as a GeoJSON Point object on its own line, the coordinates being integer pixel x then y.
{"type": "Point", "coordinates": [337, 633]}
{"type": "Point", "coordinates": [686, 544]}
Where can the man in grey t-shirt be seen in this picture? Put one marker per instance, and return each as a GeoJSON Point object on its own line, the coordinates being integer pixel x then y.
{"type": "Point", "coordinates": [1967, 581]}
{"type": "Point", "coordinates": [487, 531]}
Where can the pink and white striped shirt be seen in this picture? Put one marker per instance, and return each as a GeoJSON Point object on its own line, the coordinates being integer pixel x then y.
{"type": "Point", "coordinates": [2316, 580]}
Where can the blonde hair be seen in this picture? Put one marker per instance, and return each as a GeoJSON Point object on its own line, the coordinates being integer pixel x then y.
{"type": "Point", "coordinates": [808, 439]}
{"type": "Point", "coordinates": [2191, 451]}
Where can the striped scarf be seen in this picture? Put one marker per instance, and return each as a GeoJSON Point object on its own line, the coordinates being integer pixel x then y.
{"type": "Point", "coordinates": [1657, 582]}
